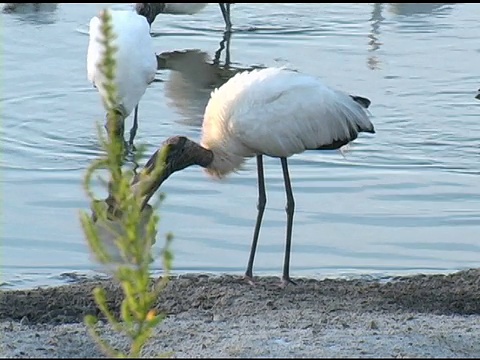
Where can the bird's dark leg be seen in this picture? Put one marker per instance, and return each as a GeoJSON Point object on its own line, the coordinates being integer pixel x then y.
{"type": "Point", "coordinates": [218, 53]}
{"type": "Point", "coordinates": [227, 49]}
{"type": "Point", "coordinates": [229, 21]}
{"type": "Point", "coordinates": [133, 130]}
{"type": "Point", "coordinates": [262, 200]}
{"type": "Point", "coordinates": [115, 127]}
{"type": "Point", "coordinates": [225, 7]}
{"type": "Point", "coordinates": [290, 208]}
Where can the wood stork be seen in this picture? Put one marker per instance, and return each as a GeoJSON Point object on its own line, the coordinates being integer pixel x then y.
{"type": "Point", "coordinates": [273, 112]}
{"type": "Point", "coordinates": [135, 59]}
{"type": "Point", "coordinates": [151, 10]}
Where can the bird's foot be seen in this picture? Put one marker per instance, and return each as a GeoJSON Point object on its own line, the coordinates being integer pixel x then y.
{"type": "Point", "coordinates": [249, 279]}
{"type": "Point", "coordinates": [285, 281]}
{"type": "Point", "coordinates": [132, 147]}
{"type": "Point", "coordinates": [129, 148]}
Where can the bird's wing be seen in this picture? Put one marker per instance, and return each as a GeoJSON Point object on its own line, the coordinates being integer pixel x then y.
{"type": "Point", "coordinates": [93, 53]}
{"type": "Point", "coordinates": [294, 114]}
{"type": "Point", "coordinates": [143, 44]}
{"type": "Point", "coordinates": [136, 62]}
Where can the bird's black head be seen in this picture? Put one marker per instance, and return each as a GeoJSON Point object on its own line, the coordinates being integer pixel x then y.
{"type": "Point", "coordinates": [182, 152]}
{"type": "Point", "coordinates": [176, 153]}
{"type": "Point", "coordinates": [149, 10]}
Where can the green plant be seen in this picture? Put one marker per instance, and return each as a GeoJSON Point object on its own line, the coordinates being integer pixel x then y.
{"type": "Point", "coordinates": [122, 229]}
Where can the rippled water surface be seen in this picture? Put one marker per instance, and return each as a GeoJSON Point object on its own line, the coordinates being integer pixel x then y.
{"type": "Point", "coordinates": [404, 200]}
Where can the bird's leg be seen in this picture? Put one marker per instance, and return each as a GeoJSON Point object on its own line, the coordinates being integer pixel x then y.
{"type": "Point", "coordinates": [106, 123]}
{"type": "Point", "coordinates": [133, 130]}
{"type": "Point", "coordinates": [262, 200]}
{"type": "Point", "coordinates": [228, 22]}
{"type": "Point", "coordinates": [115, 127]}
{"type": "Point", "coordinates": [227, 49]}
{"type": "Point", "coordinates": [290, 208]}
{"type": "Point", "coordinates": [218, 53]}
{"type": "Point", "coordinates": [225, 7]}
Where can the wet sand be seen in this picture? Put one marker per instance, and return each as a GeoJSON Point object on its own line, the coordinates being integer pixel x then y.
{"type": "Point", "coordinates": [213, 316]}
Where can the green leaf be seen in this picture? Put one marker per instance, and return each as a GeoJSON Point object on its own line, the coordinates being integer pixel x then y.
{"type": "Point", "coordinates": [125, 218]}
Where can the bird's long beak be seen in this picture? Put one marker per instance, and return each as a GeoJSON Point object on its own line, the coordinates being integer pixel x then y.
{"type": "Point", "coordinates": [154, 173]}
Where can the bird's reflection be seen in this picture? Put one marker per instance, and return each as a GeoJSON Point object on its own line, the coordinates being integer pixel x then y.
{"type": "Point", "coordinates": [224, 45]}
{"type": "Point", "coordinates": [405, 11]}
{"type": "Point", "coordinates": [373, 62]}
{"type": "Point", "coordinates": [35, 13]}
{"type": "Point", "coordinates": [411, 9]}
{"type": "Point", "coordinates": [192, 77]}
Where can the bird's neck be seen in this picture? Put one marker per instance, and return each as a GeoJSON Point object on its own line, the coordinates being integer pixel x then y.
{"type": "Point", "coordinates": [203, 156]}
{"type": "Point", "coordinates": [150, 10]}
{"type": "Point", "coordinates": [222, 162]}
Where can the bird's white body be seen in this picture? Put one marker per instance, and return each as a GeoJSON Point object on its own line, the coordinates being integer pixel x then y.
{"type": "Point", "coordinates": [151, 10]}
{"type": "Point", "coordinates": [278, 113]}
{"type": "Point", "coordinates": [135, 58]}
{"type": "Point", "coordinates": [184, 8]}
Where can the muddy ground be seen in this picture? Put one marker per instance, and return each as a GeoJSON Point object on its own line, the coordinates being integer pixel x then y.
{"type": "Point", "coordinates": [457, 293]}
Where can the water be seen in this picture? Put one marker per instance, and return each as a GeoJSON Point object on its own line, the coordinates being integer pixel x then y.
{"type": "Point", "coordinates": [405, 200]}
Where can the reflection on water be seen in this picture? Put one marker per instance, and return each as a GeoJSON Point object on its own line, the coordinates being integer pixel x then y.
{"type": "Point", "coordinates": [192, 77]}
{"type": "Point", "coordinates": [412, 9]}
{"type": "Point", "coordinates": [224, 45]}
{"type": "Point", "coordinates": [401, 202]}
{"type": "Point", "coordinates": [408, 13]}
{"type": "Point", "coordinates": [35, 13]}
{"type": "Point", "coordinates": [373, 61]}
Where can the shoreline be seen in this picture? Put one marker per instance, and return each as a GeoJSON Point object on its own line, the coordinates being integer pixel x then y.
{"type": "Point", "coordinates": [211, 316]}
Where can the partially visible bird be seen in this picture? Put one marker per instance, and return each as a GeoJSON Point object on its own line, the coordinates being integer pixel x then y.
{"type": "Point", "coordinates": [110, 222]}
{"type": "Point", "coordinates": [478, 95]}
{"type": "Point", "coordinates": [274, 112]}
{"type": "Point", "coordinates": [151, 10]}
{"type": "Point", "coordinates": [136, 61]}
{"type": "Point", "coordinates": [112, 227]}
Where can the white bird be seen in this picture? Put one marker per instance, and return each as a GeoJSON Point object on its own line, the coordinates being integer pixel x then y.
{"type": "Point", "coordinates": [273, 112]}
{"type": "Point", "coordinates": [136, 61]}
{"type": "Point", "coordinates": [151, 10]}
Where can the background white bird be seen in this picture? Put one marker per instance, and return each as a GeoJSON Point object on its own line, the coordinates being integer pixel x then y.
{"type": "Point", "coordinates": [273, 112]}
{"type": "Point", "coordinates": [151, 10]}
{"type": "Point", "coordinates": [135, 59]}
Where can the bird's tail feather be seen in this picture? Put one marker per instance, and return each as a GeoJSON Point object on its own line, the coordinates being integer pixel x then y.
{"type": "Point", "coordinates": [361, 100]}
